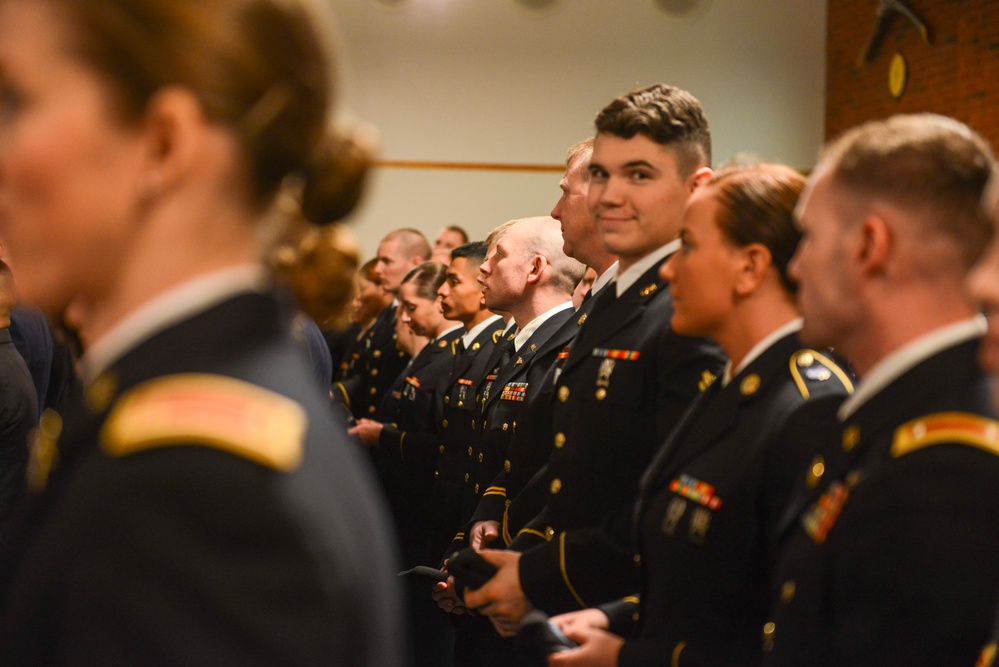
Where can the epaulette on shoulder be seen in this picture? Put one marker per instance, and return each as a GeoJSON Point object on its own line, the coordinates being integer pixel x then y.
{"type": "Point", "coordinates": [210, 411]}
{"type": "Point", "coordinates": [946, 428]}
{"type": "Point", "coordinates": [811, 366]}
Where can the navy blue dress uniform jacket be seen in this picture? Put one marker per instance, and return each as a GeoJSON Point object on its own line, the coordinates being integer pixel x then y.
{"type": "Point", "coordinates": [503, 407]}
{"type": "Point", "coordinates": [627, 381]}
{"type": "Point", "coordinates": [708, 504]}
{"type": "Point", "coordinates": [203, 508]}
{"type": "Point", "coordinates": [377, 367]}
{"type": "Point", "coordinates": [408, 446]}
{"type": "Point", "coordinates": [891, 558]}
{"type": "Point", "coordinates": [458, 412]}
{"type": "Point", "coordinates": [18, 417]}
{"type": "Point", "coordinates": [531, 445]}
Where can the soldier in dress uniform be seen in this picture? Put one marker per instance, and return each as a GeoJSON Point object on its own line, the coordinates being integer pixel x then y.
{"type": "Point", "coordinates": [461, 300]}
{"type": "Point", "coordinates": [531, 446]}
{"type": "Point", "coordinates": [407, 437]}
{"type": "Point", "coordinates": [369, 299]}
{"type": "Point", "coordinates": [406, 442]}
{"type": "Point", "coordinates": [529, 276]}
{"type": "Point", "coordinates": [202, 506]}
{"type": "Point", "coordinates": [886, 553]}
{"type": "Point", "coordinates": [399, 252]}
{"type": "Point", "coordinates": [703, 522]}
{"type": "Point", "coordinates": [628, 377]}
{"type": "Point", "coordinates": [526, 274]}
{"type": "Point", "coordinates": [983, 284]}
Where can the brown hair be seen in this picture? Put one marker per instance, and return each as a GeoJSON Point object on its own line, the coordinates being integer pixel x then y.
{"type": "Point", "coordinates": [427, 277]}
{"type": "Point", "coordinates": [367, 271]}
{"type": "Point", "coordinates": [667, 115]}
{"type": "Point", "coordinates": [757, 206]}
{"type": "Point", "coordinates": [459, 231]}
{"type": "Point", "coordinates": [258, 67]}
{"type": "Point", "coordinates": [932, 166]}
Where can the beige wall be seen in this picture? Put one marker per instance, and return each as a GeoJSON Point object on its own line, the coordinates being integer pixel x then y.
{"type": "Point", "coordinates": [490, 81]}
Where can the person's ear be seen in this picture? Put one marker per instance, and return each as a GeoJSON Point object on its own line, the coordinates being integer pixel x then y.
{"type": "Point", "coordinates": [538, 264]}
{"type": "Point", "coordinates": [755, 262]}
{"type": "Point", "coordinates": [173, 125]}
{"type": "Point", "coordinates": [700, 177]}
{"type": "Point", "coordinates": [874, 244]}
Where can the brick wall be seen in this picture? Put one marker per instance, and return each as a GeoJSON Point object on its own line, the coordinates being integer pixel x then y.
{"type": "Point", "coordinates": [956, 74]}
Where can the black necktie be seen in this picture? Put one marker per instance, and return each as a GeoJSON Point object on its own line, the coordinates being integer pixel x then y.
{"type": "Point", "coordinates": [509, 349]}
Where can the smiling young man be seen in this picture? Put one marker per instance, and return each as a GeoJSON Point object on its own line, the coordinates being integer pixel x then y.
{"type": "Point", "coordinates": [628, 378]}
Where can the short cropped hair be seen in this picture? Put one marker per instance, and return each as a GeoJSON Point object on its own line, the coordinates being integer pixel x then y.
{"type": "Point", "coordinates": [583, 147]}
{"type": "Point", "coordinates": [932, 166]}
{"type": "Point", "coordinates": [546, 240]}
{"type": "Point", "coordinates": [474, 252]}
{"type": "Point", "coordinates": [411, 241]}
{"type": "Point", "coordinates": [459, 231]}
{"type": "Point", "coordinates": [665, 114]}
{"type": "Point", "coordinates": [499, 232]}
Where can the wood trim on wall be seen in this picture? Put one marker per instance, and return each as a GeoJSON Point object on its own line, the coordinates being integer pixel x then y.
{"type": "Point", "coordinates": [469, 166]}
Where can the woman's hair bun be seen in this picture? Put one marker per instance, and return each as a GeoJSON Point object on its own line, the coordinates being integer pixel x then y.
{"type": "Point", "coordinates": [334, 179]}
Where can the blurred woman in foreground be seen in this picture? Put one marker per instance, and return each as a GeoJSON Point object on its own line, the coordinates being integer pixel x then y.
{"type": "Point", "coordinates": [203, 506]}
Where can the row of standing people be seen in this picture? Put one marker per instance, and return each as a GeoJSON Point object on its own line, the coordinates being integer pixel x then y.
{"type": "Point", "coordinates": [784, 517]}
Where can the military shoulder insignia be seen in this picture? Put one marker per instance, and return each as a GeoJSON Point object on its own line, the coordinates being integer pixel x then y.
{"type": "Point", "coordinates": [960, 428]}
{"type": "Point", "coordinates": [988, 656]}
{"type": "Point", "coordinates": [812, 366]}
{"type": "Point", "coordinates": [648, 289]}
{"type": "Point", "coordinates": [707, 379]}
{"type": "Point", "coordinates": [442, 344]}
{"type": "Point", "coordinates": [497, 335]}
{"type": "Point", "coordinates": [208, 410]}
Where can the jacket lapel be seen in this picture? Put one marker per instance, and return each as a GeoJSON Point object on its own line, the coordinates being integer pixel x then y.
{"type": "Point", "coordinates": [613, 313]}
